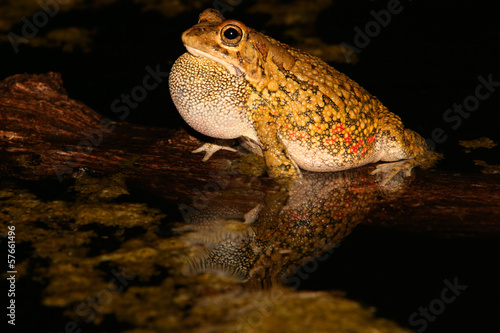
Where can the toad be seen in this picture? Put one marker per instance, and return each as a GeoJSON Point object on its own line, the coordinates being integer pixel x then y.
{"type": "Point", "coordinates": [286, 105]}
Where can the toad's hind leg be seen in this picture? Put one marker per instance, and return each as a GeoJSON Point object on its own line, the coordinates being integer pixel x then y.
{"type": "Point", "coordinates": [404, 148]}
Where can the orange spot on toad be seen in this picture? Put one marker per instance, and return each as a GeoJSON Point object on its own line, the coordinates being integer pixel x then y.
{"type": "Point", "coordinates": [329, 141]}
{"type": "Point", "coordinates": [354, 149]}
{"type": "Point", "coordinates": [338, 128]}
{"type": "Point", "coordinates": [347, 138]}
{"type": "Point", "coordinates": [370, 140]}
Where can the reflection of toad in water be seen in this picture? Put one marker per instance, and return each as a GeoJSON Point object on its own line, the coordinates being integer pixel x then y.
{"type": "Point", "coordinates": [272, 240]}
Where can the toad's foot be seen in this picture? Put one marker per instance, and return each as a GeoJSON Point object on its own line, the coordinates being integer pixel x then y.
{"type": "Point", "coordinates": [210, 149]}
{"type": "Point", "coordinates": [387, 171]}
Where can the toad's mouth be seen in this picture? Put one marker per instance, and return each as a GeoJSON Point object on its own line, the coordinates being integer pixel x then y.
{"type": "Point", "coordinates": [197, 53]}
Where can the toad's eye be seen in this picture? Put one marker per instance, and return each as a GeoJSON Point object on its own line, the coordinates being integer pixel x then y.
{"type": "Point", "coordinates": [231, 35]}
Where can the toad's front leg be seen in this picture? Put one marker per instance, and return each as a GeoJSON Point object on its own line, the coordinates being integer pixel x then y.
{"type": "Point", "coordinates": [212, 148]}
{"type": "Point", "coordinates": [279, 164]}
